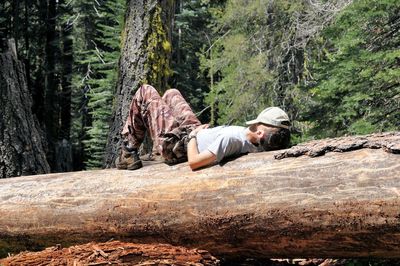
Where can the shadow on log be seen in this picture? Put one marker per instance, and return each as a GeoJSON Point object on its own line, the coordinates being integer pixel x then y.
{"type": "Point", "coordinates": [337, 205]}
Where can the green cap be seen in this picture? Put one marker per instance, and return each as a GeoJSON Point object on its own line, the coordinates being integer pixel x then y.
{"type": "Point", "coordinates": [273, 116]}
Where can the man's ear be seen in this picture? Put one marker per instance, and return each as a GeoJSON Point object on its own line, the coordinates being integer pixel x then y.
{"type": "Point", "coordinates": [260, 132]}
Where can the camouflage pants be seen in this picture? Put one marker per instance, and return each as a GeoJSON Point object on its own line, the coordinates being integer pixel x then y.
{"type": "Point", "coordinates": [165, 118]}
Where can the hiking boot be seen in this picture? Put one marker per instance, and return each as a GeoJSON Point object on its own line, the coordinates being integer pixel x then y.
{"type": "Point", "coordinates": [152, 157]}
{"type": "Point", "coordinates": [129, 159]}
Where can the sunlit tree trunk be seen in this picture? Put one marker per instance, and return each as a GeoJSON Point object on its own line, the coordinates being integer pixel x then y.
{"type": "Point", "coordinates": [145, 58]}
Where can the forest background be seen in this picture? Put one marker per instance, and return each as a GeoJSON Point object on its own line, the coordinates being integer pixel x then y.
{"type": "Point", "coordinates": [332, 65]}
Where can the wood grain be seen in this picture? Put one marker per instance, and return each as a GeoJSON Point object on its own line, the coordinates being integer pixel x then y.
{"type": "Point", "coordinates": [337, 205]}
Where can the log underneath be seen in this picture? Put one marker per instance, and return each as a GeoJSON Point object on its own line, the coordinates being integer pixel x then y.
{"type": "Point", "coordinates": [114, 253]}
{"type": "Point", "coordinates": [337, 205]}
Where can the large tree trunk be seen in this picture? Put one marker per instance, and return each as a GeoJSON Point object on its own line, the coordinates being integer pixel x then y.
{"type": "Point", "coordinates": [51, 84]}
{"type": "Point", "coordinates": [145, 59]}
{"type": "Point", "coordinates": [339, 205]}
{"type": "Point", "coordinates": [21, 144]}
{"type": "Point", "coordinates": [63, 147]}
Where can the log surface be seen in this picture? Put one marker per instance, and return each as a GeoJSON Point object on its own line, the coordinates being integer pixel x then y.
{"type": "Point", "coordinates": [337, 205]}
{"type": "Point", "coordinates": [388, 141]}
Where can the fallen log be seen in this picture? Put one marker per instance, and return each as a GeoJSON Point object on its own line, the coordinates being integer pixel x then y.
{"type": "Point", "coordinates": [337, 205]}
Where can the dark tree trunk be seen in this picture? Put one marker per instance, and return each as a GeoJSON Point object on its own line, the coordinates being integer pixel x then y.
{"type": "Point", "coordinates": [38, 76]}
{"type": "Point", "coordinates": [27, 55]}
{"type": "Point", "coordinates": [63, 149]}
{"type": "Point", "coordinates": [21, 144]}
{"type": "Point", "coordinates": [15, 22]}
{"type": "Point", "coordinates": [343, 204]}
{"type": "Point", "coordinates": [50, 82]}
{"type": "Point", "coordinates": [4, 26]}
{"type": "Point", "coordinates": [65, 99]}
{"type": "Point", "coordinates": [145, 59]}
{"type": "Point", "coordinates": [51, 105]}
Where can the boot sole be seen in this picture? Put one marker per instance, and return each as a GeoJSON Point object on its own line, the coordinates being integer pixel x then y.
{"type": "Point", "coordinates": [120, 166]}
{"type": "Point", "coordinates": [135, 166]}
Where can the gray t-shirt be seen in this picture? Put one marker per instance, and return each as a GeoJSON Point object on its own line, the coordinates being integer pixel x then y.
{"type": "Point", "coordinates": [224, 141]}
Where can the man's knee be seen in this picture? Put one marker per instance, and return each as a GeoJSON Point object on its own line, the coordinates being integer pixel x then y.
{"type": "Point", "coordinates": [146, 88]}
{"type": "Point", "coordinates": [171, 93]}
{"type": "Point", "coordinates": [146, 92]}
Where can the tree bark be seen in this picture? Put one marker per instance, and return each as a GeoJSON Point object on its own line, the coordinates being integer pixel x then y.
{"type": "Point", "coordinates": [338, 205]}
{"type": "Point", "coordinates": [63, 146]}
{"type": "Point", "coordinates": [145, 58]}
{"type": "Point", "coordinates": [67, 70]}
{"type": "Point", "coordinates": [51, 83]}
{"type": "Point", "coordinates": [21, 144]}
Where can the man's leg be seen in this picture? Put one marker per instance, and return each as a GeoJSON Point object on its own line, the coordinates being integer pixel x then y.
{"type": "Point", "coordinates": [174, 147]}
{"type": "Point", "coordinates": [180, 108]}
{"type": "Point", "coordinates": [147, 112]}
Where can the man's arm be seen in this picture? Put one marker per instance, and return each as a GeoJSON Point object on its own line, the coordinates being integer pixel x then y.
{"type": "Point", "coordinates": [196, 159]}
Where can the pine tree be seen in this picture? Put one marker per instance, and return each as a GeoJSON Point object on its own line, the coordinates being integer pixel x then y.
{"type": "Point", "coordinates": [251, 59]}
{"type": "Point", "coordinates": [82, 21]}
{"type": "Point", "coordinates": [191, 37]}
{"type": "Point", "coordinates": [257, 59]}
{"type": "Point", "coordinates": [107, 49]}
{"type": "Point", "coordinates": [356, 76]}
{"type": "Point", "coordinates": [97, 29]}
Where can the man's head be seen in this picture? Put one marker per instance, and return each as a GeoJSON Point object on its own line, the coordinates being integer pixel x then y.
{"type": "Point", "coordinates": [270, 130]}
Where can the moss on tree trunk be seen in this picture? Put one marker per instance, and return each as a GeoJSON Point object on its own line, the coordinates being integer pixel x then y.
{"type": "Point", "coordinates": [145, 58]}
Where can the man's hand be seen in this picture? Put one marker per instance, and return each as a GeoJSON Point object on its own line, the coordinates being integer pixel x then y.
{"type": "Point", "coordinates": [196, 159]}
{"type": "Point", "coordinates": [197, 129]}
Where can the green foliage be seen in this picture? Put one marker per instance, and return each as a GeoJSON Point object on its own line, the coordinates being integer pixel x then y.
{"type": "Point", "coordinates": [191, 37]}
{"type": "Point", "coordinates": [335, 77]}
{"type": "Point", "coordinates": [83, 20]}
{"type": "Point", "coordinates": [336, 71]}
{"type": "Point", "coordinates": [97, 50]}
{"type": "Point", "coordinates": [252, 61]}
{"type": "Point", "coordinates": [356, 76]}
{"type": "Point", "coordinates": [107, 49]}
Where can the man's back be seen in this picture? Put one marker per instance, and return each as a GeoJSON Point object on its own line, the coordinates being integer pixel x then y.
{"type": "Point", "coordinates": [224, 141]}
